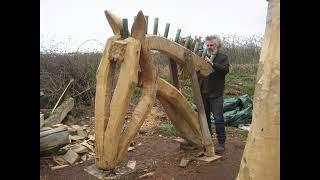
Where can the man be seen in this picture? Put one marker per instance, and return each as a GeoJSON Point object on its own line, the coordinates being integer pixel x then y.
{"type": "Point", "coordinates": [212, 88]}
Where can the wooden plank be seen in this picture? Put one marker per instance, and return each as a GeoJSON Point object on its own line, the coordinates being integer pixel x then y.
{"type": "Point", "coordinates": [62, 96]}
{"type": "Point", "coordinates": [176, 52]}
{"type": "Point", "coordinates": [200, 107]}
{"type": "Point", "coordinates": [71, 157]}
{"type": "Point", "coordinates": [60, 113]}
{"type": "Point", "coordinates": [173, 66]}
{"type": "Point", "coordinates": [52, 131]}
{"type": "Point", "coordinates": [155, 26]}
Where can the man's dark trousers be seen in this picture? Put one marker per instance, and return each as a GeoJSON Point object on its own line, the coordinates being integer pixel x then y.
{"type": "Point", "coordinates": [215, 105]}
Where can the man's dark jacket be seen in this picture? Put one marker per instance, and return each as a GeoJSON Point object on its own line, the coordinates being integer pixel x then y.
{"type": "Point", "coordinates": [213, 85]}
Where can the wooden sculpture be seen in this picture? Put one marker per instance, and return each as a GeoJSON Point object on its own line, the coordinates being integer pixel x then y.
{"type": "Point", "coordinates": [134, 53]}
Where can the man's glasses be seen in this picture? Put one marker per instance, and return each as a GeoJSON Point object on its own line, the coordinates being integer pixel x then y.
{"type": "Point", "coordinates": [210, 45]}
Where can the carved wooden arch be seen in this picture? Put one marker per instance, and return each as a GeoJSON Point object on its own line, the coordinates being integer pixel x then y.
{"type": "Point", "coordinates": [110, 110]}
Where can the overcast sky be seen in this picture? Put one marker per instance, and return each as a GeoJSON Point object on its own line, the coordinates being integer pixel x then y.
{"type": "Point", "coordinates": [66, 24]}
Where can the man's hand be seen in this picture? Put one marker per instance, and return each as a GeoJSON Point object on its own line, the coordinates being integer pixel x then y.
{"type": "Point", "coordinates": [208, 60]}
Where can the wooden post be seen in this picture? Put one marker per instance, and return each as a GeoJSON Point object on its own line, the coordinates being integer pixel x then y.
{"type": "Point", "coordinates": [186, 44]}
{"type": "Point", "coordinates": [155, 26]}
{"type": "Point", "coordinates": [196, 47]}
{"type": "Point", "coordinates": [204, 53]}
{"type": "Point", "coordinates": [125, 31]}
{"type": "Point", "coordinates": [166, 31]}
{"type": "Point", "coordinates": [173, 66]}
{"type": "Point", "coordinates": [200, 107]}
{"type": "Point", "coordinates": [147, 17]}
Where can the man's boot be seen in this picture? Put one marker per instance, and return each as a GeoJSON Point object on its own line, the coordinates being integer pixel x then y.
{"type": "Point", "coordinates": [219, 149]}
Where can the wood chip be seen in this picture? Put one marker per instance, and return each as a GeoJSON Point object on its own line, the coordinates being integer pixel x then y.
{"type": "Point", "coordinates": [88, 146]}
{"type": "Point", "coordinates": [82, 133]}
{"type": "Point", "coordinates": [45, 129]}
{"type": "Point", "coordinates": [84, 157]}
{"type": "Point", "coordinates": [77, 127]}
{"type": "Point", "coordinates": [184, 162]}
{"type": "Point", "coordinates": [57, 125]}
{"type": "Point", "coordinates": [91, 138]}
{"type": "Point", "coordinates": [209, 159]}
{"type": "Point", "coordinates": [181, 140]}
{"type": "Point", "coordinates": [76, 137]}
{"type": "Point", "coordinates": [131, 148]}
{"type": "Point", "coordinates": [71, 157]}
{"type": "Point", "coordinates": [146, 175]}
{"type": "Point", "coordinates": [131, 164]}
{"type": "Point", "coordinates": [59, 160]}
{"type": "Point", "coordinates": [59, 167]}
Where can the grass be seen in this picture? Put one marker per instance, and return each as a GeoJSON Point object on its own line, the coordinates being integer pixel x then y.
{"type": "Point", "coordinates": [243, 134]}
{"type": "Point", "coordinates": [241, 80]}
{"type": "Point", "coordinates": [167, 129]}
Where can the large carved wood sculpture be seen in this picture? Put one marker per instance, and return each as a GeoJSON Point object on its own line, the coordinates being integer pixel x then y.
{"type": "Point", "coordinates": [110, 110]}
{"type": "Point", "coordinates": [261, 157]}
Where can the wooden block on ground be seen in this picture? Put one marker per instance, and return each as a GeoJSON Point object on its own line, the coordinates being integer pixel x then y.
{"type": "Point", "coordinates": [60, 113]}
{"type": "Point", "coordinates": [71, 157]}
{"type": "Point", "coordinates": [122, 172]}
{"type": "Point", "coordinates": [132, 164]}
{"type": "Point", "coordinates": [79, 148]}
{"type": "Point", "coordinates": [184, 162]}
{"type": "Point", "coordinates": [209, 159]}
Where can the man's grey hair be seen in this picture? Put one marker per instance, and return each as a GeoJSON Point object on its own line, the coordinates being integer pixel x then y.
{"type": "Point", "coordinates": [215, 38]}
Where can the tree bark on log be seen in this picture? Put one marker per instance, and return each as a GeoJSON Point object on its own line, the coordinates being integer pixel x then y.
{"type": "Point", "coordinates": [53, 139]}
{"type": "Point", "coordinates": [60, 113]}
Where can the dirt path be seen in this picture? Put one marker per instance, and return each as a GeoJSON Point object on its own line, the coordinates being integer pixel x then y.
{"type": "Point", "coordinates": [162, 155]}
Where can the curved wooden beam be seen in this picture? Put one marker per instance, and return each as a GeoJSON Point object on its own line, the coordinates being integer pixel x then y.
{"type": "Point", "coordinates": [177, 52]}
{"type": "Point", "coordinates": [180, 112]}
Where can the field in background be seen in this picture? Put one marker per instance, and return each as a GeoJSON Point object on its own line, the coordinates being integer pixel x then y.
{"type": "Point", "coordinates": [57, 69]}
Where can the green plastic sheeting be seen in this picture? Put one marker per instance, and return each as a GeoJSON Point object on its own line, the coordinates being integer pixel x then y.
{"type": "Point", "coordinates": [236, 110]}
